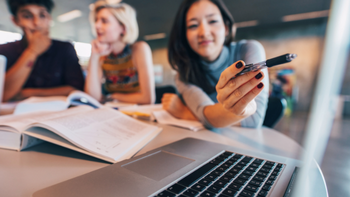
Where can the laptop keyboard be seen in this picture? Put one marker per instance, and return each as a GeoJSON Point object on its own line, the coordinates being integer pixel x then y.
{"type": "Point", "coordinates": [227, 175]}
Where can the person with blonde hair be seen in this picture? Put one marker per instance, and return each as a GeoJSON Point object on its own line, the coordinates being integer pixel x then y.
{"type": "Point", "coordinates": [123, 67]}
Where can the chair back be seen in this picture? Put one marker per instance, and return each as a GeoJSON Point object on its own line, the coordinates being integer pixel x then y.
{"type": "Point", "coordinates": [275, 110]}
{"type": "Point", "coordinates": [163, 89]}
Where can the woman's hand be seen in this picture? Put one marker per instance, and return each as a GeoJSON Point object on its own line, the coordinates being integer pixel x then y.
{"type": "Point", "coordinates": [173, 104]}
{"type": "Point", "coordinates": [99, 49]}
{"type": "Point", "coordinates": [236, 94]}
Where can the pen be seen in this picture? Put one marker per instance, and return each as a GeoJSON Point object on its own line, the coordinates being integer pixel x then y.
{"type": "Point", "coordinates": [268, 63]}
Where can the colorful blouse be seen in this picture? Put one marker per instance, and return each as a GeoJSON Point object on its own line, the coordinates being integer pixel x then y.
{"type": "Point", "coordinates": [121, 76]}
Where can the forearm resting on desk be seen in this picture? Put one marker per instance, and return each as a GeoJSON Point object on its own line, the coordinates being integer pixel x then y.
{"type": "Point", "coordinates": [57, 91]}
{"type": "Point", "coordinates": [138, 98]}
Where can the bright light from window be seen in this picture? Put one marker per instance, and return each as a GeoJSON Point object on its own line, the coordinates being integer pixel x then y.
{"type": "Point", "coordinates": [6, 37]}
{"type": "Point", "coordinates": [82, 49]}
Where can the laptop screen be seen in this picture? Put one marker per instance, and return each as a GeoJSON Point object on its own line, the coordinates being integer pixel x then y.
{"type": "Point", "coordinates": [2, 75]}
{"type": "Point", "coordinates": [335, 55]}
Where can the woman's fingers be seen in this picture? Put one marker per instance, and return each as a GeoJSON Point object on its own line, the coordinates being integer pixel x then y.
{"type": "Point", "coordinates": [240, 108]}
{"type": "Point", "coordinates": [241, 91]}
{"type": "Point", "coordinates": [229, 73]}
{"type": "Point", "coordinates": [233, 86]}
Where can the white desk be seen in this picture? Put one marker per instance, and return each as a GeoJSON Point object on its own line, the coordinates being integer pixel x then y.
{"type": "Point", "coordinates": [23, 173]}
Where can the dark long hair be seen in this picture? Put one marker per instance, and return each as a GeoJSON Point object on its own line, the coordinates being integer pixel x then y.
{"type": "Point", "coordinates": [182, 58]}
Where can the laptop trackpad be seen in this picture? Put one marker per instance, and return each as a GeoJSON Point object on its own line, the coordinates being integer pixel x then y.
{"type": "Point", "coordinates": [158, 165]}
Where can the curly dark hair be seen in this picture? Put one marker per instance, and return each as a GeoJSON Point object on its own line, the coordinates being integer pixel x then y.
{"type": "Point", "coordinates": [180, 55]}
{"type": "Point", "coordinates": [14, 5]}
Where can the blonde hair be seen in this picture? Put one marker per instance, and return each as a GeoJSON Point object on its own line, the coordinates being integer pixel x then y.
{"type": "Point", "coordinates": [124, 13]}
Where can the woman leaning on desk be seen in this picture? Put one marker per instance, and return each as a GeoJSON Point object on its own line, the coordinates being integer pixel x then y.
{"type": "Point", "coordinates": [123, 67]}
{"type": "Point", "coordinates": [202, 52]}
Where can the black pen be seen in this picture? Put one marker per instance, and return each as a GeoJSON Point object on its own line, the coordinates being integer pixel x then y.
{"type": "Point", "coordinates": [268, 63]}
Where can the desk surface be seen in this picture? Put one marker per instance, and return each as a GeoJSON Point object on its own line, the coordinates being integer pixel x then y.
{"type": "Point", "coordinates": [23, 173]}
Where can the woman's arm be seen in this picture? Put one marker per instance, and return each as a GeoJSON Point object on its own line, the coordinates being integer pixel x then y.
{"type": "Point", "coordinates": [195, 99]}
{"type": "Point", "coordinates": [142, 58]}
{"type": "Point", "coordinates": [94, 74]}
{"type": "Point", "coordinates": [56, 91]}
{"type": "Point", "coordinates": [93, 78]}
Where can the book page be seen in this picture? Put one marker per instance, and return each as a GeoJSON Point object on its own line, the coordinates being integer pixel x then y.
{"type": "Point", "coordinates": [103, 131]}
{"type": "Point", "coordinates": [15, 123]}
{"type": "Point", "coordinates": [21, 121]}
{"type": "Point", "coordinates": [163, 117]}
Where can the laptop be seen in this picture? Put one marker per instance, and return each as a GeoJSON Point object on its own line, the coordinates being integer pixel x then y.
{"type": "Point", "coordinates": [2, 75]}
{"type": "Point", "coordinates": [189, 167]}
{"type": "Point", "coordinates": [193, 167]}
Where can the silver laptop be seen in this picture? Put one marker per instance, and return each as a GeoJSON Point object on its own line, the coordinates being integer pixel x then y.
{"type": "Point", "coordinates": [189, 167]}
{"type": "Point", "coordinates": [2, 75]}
{"type": "Point", "coordinates": [192, 167]}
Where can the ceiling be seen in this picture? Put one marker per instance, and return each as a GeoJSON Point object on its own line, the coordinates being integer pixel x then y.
{"type": "Point", "coordinates": [156, 16]}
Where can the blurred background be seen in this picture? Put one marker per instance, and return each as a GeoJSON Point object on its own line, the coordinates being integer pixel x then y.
{"type": "Point", "coordinates": [281, 26]}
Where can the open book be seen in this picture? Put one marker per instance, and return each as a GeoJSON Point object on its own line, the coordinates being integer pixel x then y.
{"type": "Point", "coordinates": [55, 103]}
{"type": "Point", "coordinates": [104, 133]}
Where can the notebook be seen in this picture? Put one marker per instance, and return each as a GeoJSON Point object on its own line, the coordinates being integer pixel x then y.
{"type": "Point", "coordinates": [192, 167]}
{"type": "Point", "coordinates": [2, 75]}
